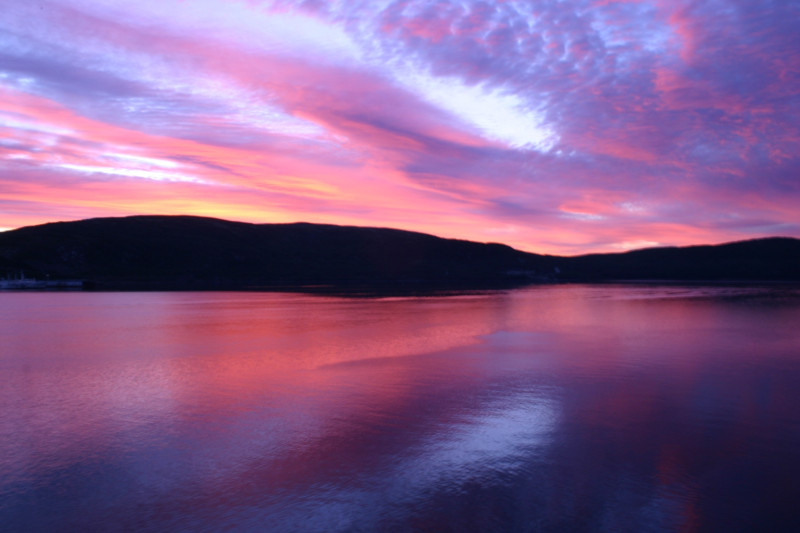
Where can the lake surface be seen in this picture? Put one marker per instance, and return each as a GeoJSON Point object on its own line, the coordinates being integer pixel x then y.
{"type": "Point", "coordinates": [553, 408]}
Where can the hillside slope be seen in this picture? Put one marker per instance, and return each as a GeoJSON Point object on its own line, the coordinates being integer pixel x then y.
{"type": "Point", "coordinates": [177, 252]}
{"type": "Point", "coordinates": [183, 251]}
{"type": "Point", "coordinates": [771, 259]}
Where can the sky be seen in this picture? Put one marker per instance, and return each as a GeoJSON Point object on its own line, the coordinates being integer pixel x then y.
{"type": "Point", "coordinates": [558, 126]}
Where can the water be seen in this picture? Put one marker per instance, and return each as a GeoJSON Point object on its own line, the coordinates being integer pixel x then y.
{"type": "Point", "coordinates": [556, 408]}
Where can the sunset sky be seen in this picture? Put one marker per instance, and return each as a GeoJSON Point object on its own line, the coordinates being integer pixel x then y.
{"type": "Point", "coordinates": [558, 126]}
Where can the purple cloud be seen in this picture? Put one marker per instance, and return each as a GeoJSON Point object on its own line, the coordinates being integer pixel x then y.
{"type": "Point", "coordinates": [579, 125]}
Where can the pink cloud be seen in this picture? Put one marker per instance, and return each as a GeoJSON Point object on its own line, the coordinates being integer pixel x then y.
{"type": "Point", "coordinates": [667, 122]}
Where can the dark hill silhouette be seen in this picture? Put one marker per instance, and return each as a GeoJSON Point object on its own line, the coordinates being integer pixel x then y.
{"type": "Point", "coordinates": [184, 252]}
{"type": "Point", "coordinates": [770, 259]}
{"type": "Point", "coordinates": [198, 252]}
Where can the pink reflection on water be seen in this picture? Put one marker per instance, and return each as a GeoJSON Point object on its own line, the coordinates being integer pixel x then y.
{"type": "Point", "coordinates": [99, 371]}
{"type": "Point", "coordinates": [297, 408]}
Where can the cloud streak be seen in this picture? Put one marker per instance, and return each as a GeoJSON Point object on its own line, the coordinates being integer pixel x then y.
{"type": "Point", "coordinates": [561, 127]}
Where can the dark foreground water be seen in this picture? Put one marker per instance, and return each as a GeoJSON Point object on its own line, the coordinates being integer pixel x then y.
{"type": "Point", "coordinates": [573, 408]}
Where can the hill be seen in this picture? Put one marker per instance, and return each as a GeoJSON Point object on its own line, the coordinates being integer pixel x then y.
{"type": "Point", "coordinates": [176, 252]}
{"type": "Point", "coordinates": [185, 252]}
{"type": "Point", "coordinates": [771, 259]}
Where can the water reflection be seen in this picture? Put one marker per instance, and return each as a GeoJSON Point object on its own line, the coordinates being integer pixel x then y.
{"type": "Point", "coordinates": [553, 408]}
